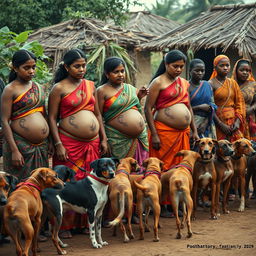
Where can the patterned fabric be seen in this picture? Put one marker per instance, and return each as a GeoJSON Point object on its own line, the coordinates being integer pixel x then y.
{"type": "Point", "coordinates": [204, 95]}
{"type": "Point", "coordinates": [35, 156]}
{"type": "Point", "coordinates": [121, 145]}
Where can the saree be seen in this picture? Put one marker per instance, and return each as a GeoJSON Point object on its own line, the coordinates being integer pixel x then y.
{"type": "Point", "coordinates": [172, 140]}
{"type": "Point", "coordinates": [203, 95]}
{"type": "Point", "coordinates": [248, 90]}
{"type": "Point", "coordinates": [35, 155]}
{"type": "Point", "coordinates": [121, 145]}
{"type": "Point", "coordinates": [231, 106]}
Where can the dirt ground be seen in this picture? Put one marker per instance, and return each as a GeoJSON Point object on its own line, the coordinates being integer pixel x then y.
{"type": "Point", "coordinates": [232, 234]}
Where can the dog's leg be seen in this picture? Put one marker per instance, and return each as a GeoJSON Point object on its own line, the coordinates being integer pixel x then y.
{"type": "Point", "coordinates": [92, 228]}
{"type": "Point", "coordinates": [140, 211]}
{"type": "Point", "coordinates": [36, 226]}
{"type": "Point", "coordinates": [129, 215]}
{"type": "Point", "coordinates": [226, 186]}
{"type": "Point", "coordinates": [157, 209]}
{"type": "Point", "coordinates": [147, 211]}
{"type": "Point", "coordinates": [184, 218]}
{"type": "Point", "coordinates": [194, 198]}
{"type": "Point", "coordinates": [189, 209]}
{"type": "Point", "coordinates": [213, 203]}
{"type": "Point", "coordinates": [98, 223]}
{"type": "Point", "coordinates": [242, 188]}
{"type": "Point", "coordinates": [55, 235]}
{"type": "Point", "coordinates": [217, 200]}
{"type": "Point", "coordinates": [175, 206]}
{"type": "Point", "coordinates": [28, 231]}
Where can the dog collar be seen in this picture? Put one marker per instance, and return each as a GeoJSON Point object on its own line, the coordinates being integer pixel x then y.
{"type": "Point", "coordinates": [30, 185]}
{"type": "Point", "coordinates": [222, 160]}
{"type": "Point", "coordinates": [185, 166]}
{"type": "Point", "coordinates": [98, 179]}
{"type": "Point", "coordinates": [147, 173]}
{"type": "Point", "coordinates": [236, 157]}
{"type": "Point", "coordinates": [122, 171]}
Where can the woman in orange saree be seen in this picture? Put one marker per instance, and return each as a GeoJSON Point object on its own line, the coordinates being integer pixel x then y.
{"type": "Point", "coordinates": [230, 115]}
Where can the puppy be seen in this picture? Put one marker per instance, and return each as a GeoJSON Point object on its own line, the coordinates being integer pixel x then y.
{"type": "Point", "coordinates": [224, 169]}
{"type": "Point", "coordinates": [121, 195]}
{"type": "Point", "coordinates": [89, 195]}
{"type": "Point", "coordinates": [204, 174]}
{"type": "Point", "coordinates": [180, 183]}
{"type": "Point", "coordinates": [242, 148]}
{"type": "Point", "coordinates": [148, 194]}
{"type": "Point", "coordinates": [24, 207]}
{"type": "Point", "coordinates": [52, 206]}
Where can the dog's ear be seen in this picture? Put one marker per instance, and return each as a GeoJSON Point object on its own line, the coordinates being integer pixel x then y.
{"type": "Point", "coordinates": [181, 153]}
{"type": "Point", "coordinates": [145, 163]}
{"type": "Point", "coordinates": [116, 160]}
{"type": "Point", "coordinates": [215, 145]}
{"type": "Point", "coordinates": [12, 180]}
{"type": "Point", "coordinates": [161, 165]}
{"type": "Point", "coordinates": [236, 144]}
{"type": "Point", "coordinates": [94, 164]}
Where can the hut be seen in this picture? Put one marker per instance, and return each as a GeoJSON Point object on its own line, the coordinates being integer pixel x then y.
{"type": "Point", "coordinates": [229, 29]}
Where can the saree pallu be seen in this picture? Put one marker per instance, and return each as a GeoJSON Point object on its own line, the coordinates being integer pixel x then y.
{"type": "Point", "coordinates": [121, 145]}
{"type": "Point", "coordinates": [204, 95]}
{"type": "Point", "coordinates": [35, 156]}
{"type": "Point", "coordinates": [172, 141]}
{"type": "Point", "coordinates": [81, 152]}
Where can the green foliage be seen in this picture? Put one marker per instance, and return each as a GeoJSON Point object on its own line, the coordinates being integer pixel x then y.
{"type": "Point", "coordinates": [101, 52]}
{"type": "Point", "coordinates": [24, 15]}
{"type": "Point", "coordinates": [11, 42]}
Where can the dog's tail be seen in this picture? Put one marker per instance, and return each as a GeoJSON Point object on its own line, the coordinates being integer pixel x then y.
{"type": "Point", "coordinates": [178, 184]}
{"type": "Point", "coordinates": [140, 187]}
{"type": "Point", "coordinates": [118, 219]}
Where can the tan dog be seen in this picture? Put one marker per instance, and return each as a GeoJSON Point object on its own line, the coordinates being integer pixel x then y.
{"type": "Point", "coordinates": [242, 148]}
{"type": "Point", "coordinates": [148, 194]}
{"type": "Point", "coordinates": [22, 213]}
{"type": "Point", "coordinates": [204, 174]}
{"type": "Point", "coordinates": [179, 182]}
{"type": "Point", "coordinates": [121, 195]}
{"type": "Point", "coordinates": [224, 169]}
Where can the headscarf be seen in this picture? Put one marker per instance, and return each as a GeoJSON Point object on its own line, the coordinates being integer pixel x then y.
{"type": "Point", "coordinates": [216, 62]}
{"type": "Point", "coordinates": [234, 73]}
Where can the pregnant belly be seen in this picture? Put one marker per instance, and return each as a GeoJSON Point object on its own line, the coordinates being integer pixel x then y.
{"type": "Point", "coordinates": [130, 123]}
{"type": "Point", "coordinates": [82, 124]}
{"type": "Point", "coordinates": [33, 127]}
{"type": "Point", "coordinates": [177, 116]}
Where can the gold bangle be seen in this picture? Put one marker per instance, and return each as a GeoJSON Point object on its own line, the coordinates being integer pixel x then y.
{"type": "Point", "coordinates": [57, 143]}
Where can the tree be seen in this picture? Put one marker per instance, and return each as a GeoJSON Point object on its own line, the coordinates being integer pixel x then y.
{"type": "Point", "coordinates": [32, 14]}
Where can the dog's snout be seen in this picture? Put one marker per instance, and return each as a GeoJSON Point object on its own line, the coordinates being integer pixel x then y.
{"type": "Point", "coordinates": [3, 200]}
{"type": "Point", "coordinates": [112, 175]}
{"type": "Point", "coordinates": [206, 151]}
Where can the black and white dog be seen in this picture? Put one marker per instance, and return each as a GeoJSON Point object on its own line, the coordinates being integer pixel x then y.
{"type": "Point", "coordinates": [88, 195]}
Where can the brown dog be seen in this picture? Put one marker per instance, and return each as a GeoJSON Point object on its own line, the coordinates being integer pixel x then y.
{"type": "Point", "coordinates": [121, 195]}
{"type": "Point", "coordinates": [204, 174]}
{"type": "Point", "coordinates": [148, 194]}
{"type": "Point", "coordinates": [22, 213]}
{"type": "Point", "coordinates": [224, 169]}
{"type": "Point", "coordinates": [243, 148]}
{"type": "Point", "coordinates": [179, 182]}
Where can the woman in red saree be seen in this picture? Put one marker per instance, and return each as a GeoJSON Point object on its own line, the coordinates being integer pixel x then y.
{"type": "Point", "coordinates": [168, 111]}
{"type": "Point", "coordinates": [75, 121]}
{"type": "Point", "coordinates": [228, 97]}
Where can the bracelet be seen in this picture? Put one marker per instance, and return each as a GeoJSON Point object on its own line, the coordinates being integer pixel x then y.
{"type": "Point", "coordinates": [57, 143]}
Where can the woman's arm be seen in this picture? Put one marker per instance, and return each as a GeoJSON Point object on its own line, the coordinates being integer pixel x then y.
{"type": "Point", "coordinates": [53, 111]}
{"type": "Point", "coordinates": [154, 90]}
{"type": "Point", "coordinates": [6, 110]}
{"type": "Point", "coordinates": [98, 109]}
{"type": "Point", "coordinates": [142, 92]}
{"type": "Point", "coordinates": [192, 124]}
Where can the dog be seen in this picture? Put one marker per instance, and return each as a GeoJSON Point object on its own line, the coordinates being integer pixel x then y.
{"type": "Point", "coordinates": [225, 171]}
{"type": "Point", "coordinates": [179, 182]}
{"type": "Point", "coordinates": [8, 183]}
{"type": "Point", "coordinates": [52, 206]}
{"type": "Point", "coordinates": [22, 213]}
{"type": "Point", "coordinates": [242, 148]}
{"type": "Point", "coordinates": [89, 195]}
{"type": "Point", "coordinates": [148, 194]}
{"type": "Point", "coordinates": [204, 174]}
{"type": "Point", "coordinates": [121, 195]}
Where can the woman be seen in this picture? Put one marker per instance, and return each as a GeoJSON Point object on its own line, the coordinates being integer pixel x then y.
{"type": "Point", "coordinates": [119, 104]}
{"type": "Point", "coordinates": [23, 119]}
{"type": "Point", "coordinates": [228, 97]}
{"type": "Point", "coordinates": [75, 121]}
{"type": "Point", "coordinates": [242, 74]}
{"type": "Point", "coordinates": [201, 98]}
{"type": "Point", "coordinates": [169, 124]}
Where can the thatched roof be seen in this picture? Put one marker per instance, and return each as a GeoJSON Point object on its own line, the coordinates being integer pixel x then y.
{"type": "Point", "coordinates": [61, 37]}
{"type": "Point", "coordinates": [222, 26]}
{"type": "Point", "coordinates": [149, 23]}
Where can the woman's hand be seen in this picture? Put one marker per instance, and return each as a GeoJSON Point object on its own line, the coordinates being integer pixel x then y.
{"type": "Point", "coordinates": [143, 91]}
{"type": "Point", "coordinates": [50, 148]}
{"type": "Point", "coordinates": [17, 159]}
{"type": "Point", "coordinates": [236, 125]}
{"type": "Point", "coordinates": [202, 107]}
{"type": "Point", "coordinates": [103, 147]}
{"type": "Point", "coordinates": [61, 152]}
{"type": "Point", "coordinates": [225, 129]}
{"type": "Point", "coordinates": [156, 143]}
{"type": "Point", "coordinates": [195, 136]}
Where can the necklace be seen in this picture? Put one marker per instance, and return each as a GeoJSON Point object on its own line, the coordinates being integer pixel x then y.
{"type": "Point", "coordinates": [219, 82]}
